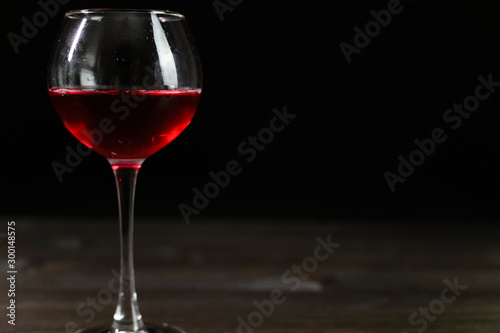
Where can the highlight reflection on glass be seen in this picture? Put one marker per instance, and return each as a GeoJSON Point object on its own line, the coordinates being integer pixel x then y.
{"type": "Point", "coordinates": [76, 39]}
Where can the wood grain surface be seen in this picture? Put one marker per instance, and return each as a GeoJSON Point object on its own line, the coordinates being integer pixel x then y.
{"type": "Point", "coordinates": [259, 275]}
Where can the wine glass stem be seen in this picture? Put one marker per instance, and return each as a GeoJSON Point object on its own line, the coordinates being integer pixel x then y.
{"type": "Point", "coordinates": [127, 317]}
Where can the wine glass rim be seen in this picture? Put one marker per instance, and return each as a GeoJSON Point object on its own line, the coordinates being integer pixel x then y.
{"type": "Point", "coordinates": [100, 11]}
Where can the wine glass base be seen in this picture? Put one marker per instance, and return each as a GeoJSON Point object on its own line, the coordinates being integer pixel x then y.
{"type": "Point", "coordinates": [164, 328]}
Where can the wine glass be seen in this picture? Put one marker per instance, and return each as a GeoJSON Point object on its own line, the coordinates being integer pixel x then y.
{"type": "Point", "coordinates": [125, 83]}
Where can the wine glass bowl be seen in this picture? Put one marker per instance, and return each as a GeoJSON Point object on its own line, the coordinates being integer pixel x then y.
{"type": "Point", "coordinates": [125, 83]}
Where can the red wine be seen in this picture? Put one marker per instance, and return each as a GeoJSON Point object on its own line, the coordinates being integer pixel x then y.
{"type": "Point", "coordinates": [125, 124]}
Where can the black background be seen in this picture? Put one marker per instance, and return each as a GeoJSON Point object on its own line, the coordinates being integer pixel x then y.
{"type": "Point", "coordinates": [353, 120]}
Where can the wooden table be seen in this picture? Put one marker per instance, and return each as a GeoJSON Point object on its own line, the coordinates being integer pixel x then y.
{"type": "Point", "coordinates": [259, 275]}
